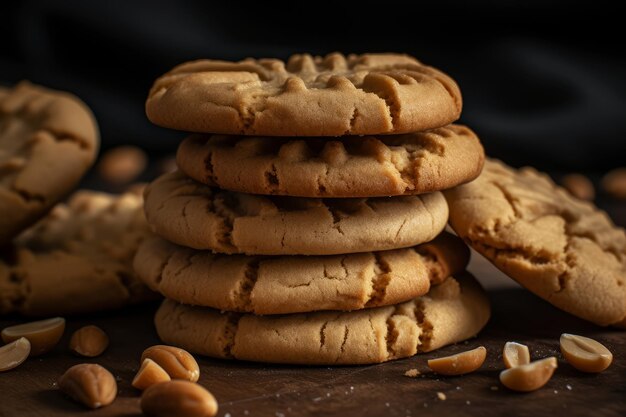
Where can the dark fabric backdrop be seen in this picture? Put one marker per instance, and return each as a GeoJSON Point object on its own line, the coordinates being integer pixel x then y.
{"type": "Point", "coordinates": [544, 83]}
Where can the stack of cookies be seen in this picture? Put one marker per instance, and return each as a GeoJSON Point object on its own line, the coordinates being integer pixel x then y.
{"type": "Point", "coordinates": [305, 223]}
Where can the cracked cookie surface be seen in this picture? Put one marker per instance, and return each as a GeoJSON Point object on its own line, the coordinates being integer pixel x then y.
{"type": "Point", "coordinates": [77, 259]}
{"type": "Point", "coordinates": [191, 214]}
{"type": "Point", "coordinates": [48, 140]}
{"type": "Point", "coordinates": [412, 163]}
{"type": "Point", "coordinates": [563, 249]}
{"type": "Point", "coordinates": [333, 95]}
{"type": "Point", "coordinates": [294, 284]}
{"type": "Point", "coordinates": [451, 312]}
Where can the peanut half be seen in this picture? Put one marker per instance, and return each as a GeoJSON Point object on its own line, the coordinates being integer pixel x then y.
{"type": "Point", "coordinates": [14, 353]}
{"type": "Point", "coordinates": [178, 398]}
{"type": "Point", "coordinates": [585, 354]}
{"type": "Point", "coordinates": [149, 374]}
{"type": "Point", "coordinates": [515, 354]}
{"type": "Point", "coordinates": [43, 335]}
{"type": "Point", "coordinates": [529, 377]}
{"type": "Point", "coordinates": [89, 384]}
{"type": "Point", "coordinates": [89, 341]}
{"type": "Point", "coordinates": [459, 364]}
{"type": "Point", "coordinates": [178, 363]}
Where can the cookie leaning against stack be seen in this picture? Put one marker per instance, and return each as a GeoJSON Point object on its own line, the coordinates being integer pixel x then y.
{"type": "Point", "coordinates": [336, 239]}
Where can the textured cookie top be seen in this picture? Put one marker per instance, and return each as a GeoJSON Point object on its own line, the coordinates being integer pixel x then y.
{"type": "Point", "coordinates": [413, 163]}
{"type": "Point", "coordinates": [48, 140]}
{"type": "Point", "coordinates": [561, 248]}
{"type": "Point", "coordinates": [77, 259]}
{"type": "Point", "coordinates": [191, 214]}
{"type": "Point", "coordinates": [293, 284]}
{"type": "Point", "coordinates": [307, 96]}
{"type": "Point", "coordinates": [451, 312]}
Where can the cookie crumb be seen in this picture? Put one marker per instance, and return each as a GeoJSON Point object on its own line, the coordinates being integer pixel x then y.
{"type": "Point", "coordinates": [386, 404]}
{"type": "Point", "coordinates": [441, 396]}
{"type": "Point", "coordinates": [468, 402]}
{"type": "Point", "coordinates": [494, 388]}
{"type": "Point", "coordinates": [569, 387]}
{"type": "Point", "coordinates": [556, 392]}
{"type": "Point", "coordinates": [412, 373]}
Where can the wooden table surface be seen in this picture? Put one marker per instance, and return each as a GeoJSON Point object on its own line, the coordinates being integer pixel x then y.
{"type": "Point", "coordinates": [249, 389]}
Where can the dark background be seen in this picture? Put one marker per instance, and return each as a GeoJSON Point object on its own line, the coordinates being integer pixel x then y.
{"type": "Point", "coordinates": [544, 83]}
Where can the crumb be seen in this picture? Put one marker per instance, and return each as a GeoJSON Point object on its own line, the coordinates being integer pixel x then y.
{"type": "Point", "coordinates": [412, 373]}
{"type": "Point", "coordinates": [494, 388]}
{"type": "Point", "coordinates": [328, 394]}
{"type": "Point", "coordinates": [425, 405]}
{"type": "Point", "coordinates": [386, 404]}
{"type": "Point", "coordinates": [227, 415]}
{"type": "Point", "coordinates": [441, 396]}
{"type": "Point", "coordinates": [569, 387]}
{"type": "Point", "coordinates": [468, 402]}
{"type": "Point", "coordinates": [246, 412]}
{"type": "Point", "coordinates": [458, 388]}
{"type": "Point", "coordinates": [317, 399]}
{"type": "Point", "coordinates": [351, 388]}
{"type": "Point", "coordinates": [556, 392]}
{"type": "Point", "coordinates": [278, 414]}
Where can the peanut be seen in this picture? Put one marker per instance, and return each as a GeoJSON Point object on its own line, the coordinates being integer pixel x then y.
{"type": "Point", "coordinates": [178, 363]}
{"type": "Point", "coordinates": [149, 374]}
{"type": "Point", "coordinates": [585, 354]}
{"type": "Point", "coordinates": [614, 183]}
{"type": "Point", "coordinates": [122, 164]}
{"type": "Point", "coordinates": [178, 398]}
{"type": "Point", "coordinates": [459, 364]}
{"type": "Point", "coordinates": [90, 384]}
{"type": "Point", "coordinates": [515, 354]}
{"type": "Point", "coordinates": [43, 335]}
{"type": "Point", "coordinates": [89, 341]}
{"type": "Point", "coordinates": [13, 354]}
{"type": "Point", "coordinates": [529, 377]}
{"type": "Point", "coordinates": [579, 186]}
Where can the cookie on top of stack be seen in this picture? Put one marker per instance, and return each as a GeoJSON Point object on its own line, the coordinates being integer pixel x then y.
{"type": "Point", "coordinates": [305, 223]}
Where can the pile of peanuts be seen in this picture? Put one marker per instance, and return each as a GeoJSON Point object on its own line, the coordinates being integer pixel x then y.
{"type": "Point", "coordinates": [167, 376]}
{"type": "Point", "coordinates": [583, 353]}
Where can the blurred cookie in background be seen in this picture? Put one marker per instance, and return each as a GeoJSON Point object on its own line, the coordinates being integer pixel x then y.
{"type": "Point", "coordinates": [77, 259]}
{"type": "Point", "coordinates": [48, 140]}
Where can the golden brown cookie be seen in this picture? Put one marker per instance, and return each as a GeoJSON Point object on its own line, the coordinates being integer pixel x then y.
{"type": "Point", "coordinates": [191, 214]}
{"type": "Point", "coordinates": [451, 312]}
{"type": "Point", "coordinates": [294, 284]}
{"type": "Point", "coordinates": [77, 259]}
{"type": "Point", "coordinates": [48, 140]}
{"type": "Point", "coordinates": [563, 249]}
{"type": "Point", "coordinates": [307, 96]}
{"type": "Point", "coordinates": [413, 163]}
